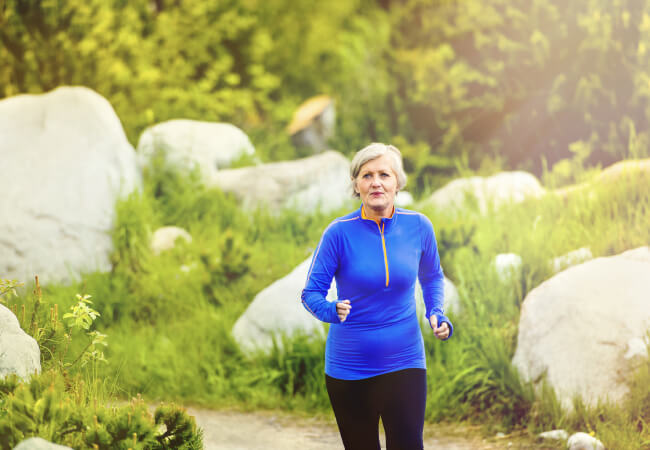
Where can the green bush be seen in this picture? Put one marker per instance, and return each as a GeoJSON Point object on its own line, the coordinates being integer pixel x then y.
{"type": "Point", "coordinates": [46, 408]}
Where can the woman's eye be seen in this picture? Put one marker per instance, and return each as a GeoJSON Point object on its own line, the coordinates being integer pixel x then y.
{"type": "Point", "coordinates": [384, 175]}
{"type": "Point", "coordinates": [366, 175]}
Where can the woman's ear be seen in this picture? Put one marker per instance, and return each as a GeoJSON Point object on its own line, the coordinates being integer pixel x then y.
{"type": "Point", "coordinates": [354, 185]}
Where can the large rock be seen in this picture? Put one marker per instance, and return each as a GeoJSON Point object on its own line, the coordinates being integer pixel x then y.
{"type": "Point", "coordinates": [65, 161]}
{"type": "Point", "coordinates": [37, 443]}
{"type": "Point", "coordinates": [576, 327]}
{"type": "Point", "coordinates": [187, 144]}
{"type": "Point", "coordinates": [622, 169]}
{"type": "Point", "coordinates": [277, 310]}
{"type": "Point", "coordinates": [496, 190]}
{"type": "Point", "coordinates": [320, 181]}
{"type": "Point", "coordinates": [19, 352]}
{"type": "Point", "coordinates": [617, 172]}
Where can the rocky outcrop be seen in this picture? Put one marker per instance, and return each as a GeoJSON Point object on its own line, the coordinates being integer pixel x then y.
{"type": "Point", "coordinates": [190, 144]}
{"type": "Point", "coordinates": [66, 161]}
{"type": "Point", "coordinates": [494, 191]}
{"type": "Point", "coordinates": [576, 327]}
{"type": "Point", "coordinates": [19, 352]}
{"type": "Point", "coordinates": [320, 181]}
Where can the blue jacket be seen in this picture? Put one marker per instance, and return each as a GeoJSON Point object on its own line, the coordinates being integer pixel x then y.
{"type": "Point", "coordinates": [376, 266]}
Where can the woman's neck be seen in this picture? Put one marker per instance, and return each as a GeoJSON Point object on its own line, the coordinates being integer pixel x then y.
{"type": "Point", "coordinates": [371, 214]}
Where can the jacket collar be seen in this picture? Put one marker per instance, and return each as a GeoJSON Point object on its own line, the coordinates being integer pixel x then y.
{"type": "Point", "coordinates": [384, 222]}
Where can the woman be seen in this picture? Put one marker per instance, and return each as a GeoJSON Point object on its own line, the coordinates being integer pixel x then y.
{"type": "Point", "coordinates": [374, 356]}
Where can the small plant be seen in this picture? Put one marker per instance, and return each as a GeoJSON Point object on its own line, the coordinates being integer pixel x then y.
{"type": "Point", "coordinates": [8, 287]}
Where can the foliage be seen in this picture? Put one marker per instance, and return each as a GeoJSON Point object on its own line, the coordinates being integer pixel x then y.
{"type": "Point", "coordinates": [529, 82]}
{"type": "Point", "coordinates": [8, 287]}
{"type": "Point", "coordinates": [45, 407]}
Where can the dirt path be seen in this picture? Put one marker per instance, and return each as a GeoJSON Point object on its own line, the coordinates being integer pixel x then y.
{"type": "Point", "coordinates": [232, 430]}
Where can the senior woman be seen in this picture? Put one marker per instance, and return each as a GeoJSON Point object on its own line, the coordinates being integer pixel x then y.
{"type": "Point", "coordinates": [374, 356]}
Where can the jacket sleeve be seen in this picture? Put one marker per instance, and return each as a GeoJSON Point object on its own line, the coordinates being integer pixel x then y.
{"type": "Point", "coordinates": [431, 276]}
{"type": "Point", "coordinates": [319, 278]}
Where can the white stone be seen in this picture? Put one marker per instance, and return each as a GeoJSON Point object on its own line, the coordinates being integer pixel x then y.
{"type": "Point", "coordinates": [636, 348]}
{"type": "Point", "coordinates": [494, 191]}
{"type": "Point", "coordinates": [277, 310]}
{"type": "Point", "coordinates": [556, 435]}
{"type": "Point", "coordinates": [403, 199]}
{"type": "Point", "coordinates": [36, 443]}
{"type": "Point", "coordinates": [507, 265]}
{"type": "Point", "coordinates": [571, 259]}
{"type": "Point", "coordinates": [65, 161]}
{"type": "Point", "coordinates": [583, 441]}
{"type": "Point", "coordinates": [19, 352]}
{"type": "Point", "coordinates": [575, 327]}
{"type": "Point", "coordinates": [319, 181]}
{"type": "Point", "coordinates": [189, 144]}
{"type": "Point", "coordinates": [164, 238]}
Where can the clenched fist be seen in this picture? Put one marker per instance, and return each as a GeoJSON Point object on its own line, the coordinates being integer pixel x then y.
{"type": "Point", "coordinates": [442, 331]}
{"type": "Point", "coordinates": [343, 309]}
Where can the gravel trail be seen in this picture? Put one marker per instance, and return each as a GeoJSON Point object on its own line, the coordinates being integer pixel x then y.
{"type": "Point", "coordinates": [234, 430]}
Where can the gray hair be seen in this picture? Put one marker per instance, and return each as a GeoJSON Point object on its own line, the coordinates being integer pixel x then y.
{"type": "Point", "coordinates": [374, 151]}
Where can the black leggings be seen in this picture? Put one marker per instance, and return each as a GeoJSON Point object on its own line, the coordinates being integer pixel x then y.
{"type": "Point", "coordinates": [399, 398]}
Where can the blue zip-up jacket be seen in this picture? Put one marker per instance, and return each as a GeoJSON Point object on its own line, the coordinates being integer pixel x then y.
{"type": "Point", "coordinates": [376, 266]}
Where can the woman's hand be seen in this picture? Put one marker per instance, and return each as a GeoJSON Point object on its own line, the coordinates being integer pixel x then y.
{"type": "Point", "coordinates": [343, 309]}
{"type": "Point", "coordinates": [442, 331]}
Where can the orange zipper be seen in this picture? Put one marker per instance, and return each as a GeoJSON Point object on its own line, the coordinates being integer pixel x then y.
{"type": "Point", "coordinates": [383, 244]}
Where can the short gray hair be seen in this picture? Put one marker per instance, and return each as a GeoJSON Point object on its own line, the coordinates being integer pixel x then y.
{"type": "Point", "coordinates": [374, 151]}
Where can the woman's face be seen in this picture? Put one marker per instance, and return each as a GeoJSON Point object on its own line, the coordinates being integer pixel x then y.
{"type": "Point", "coordinates": [377, 185]}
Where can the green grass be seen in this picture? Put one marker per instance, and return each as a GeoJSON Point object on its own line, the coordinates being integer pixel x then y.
{"type": "Point", "coordinates": [169, 317]}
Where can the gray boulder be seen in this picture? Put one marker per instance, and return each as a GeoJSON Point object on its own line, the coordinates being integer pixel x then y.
{"type": "Point", "coordinates": [495, 190]}
{"type": "Point", "coordinates": [583, 441]}
{"type": "Point", "coordinates": [19, 352]}
{"type": "Point", "coordinates": [319, 181]}
{"type": "Point", "coordinates": [277, 310]}
{"type": "Point", "coordinates": [66, 161]}
{"type": "Point", "coordinates": [190, 144]}
{"type": "Point", "coordinates": [37, 443]}
{"type": "Point", "coordinates": [575, 328]}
